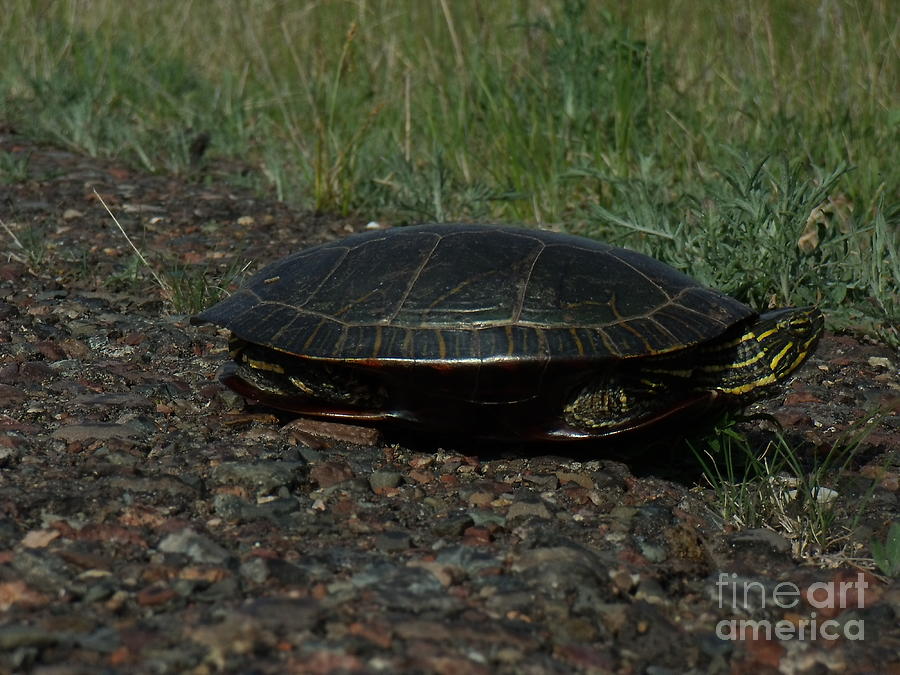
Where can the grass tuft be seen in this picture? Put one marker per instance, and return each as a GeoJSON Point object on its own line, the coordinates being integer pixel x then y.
{"type": "Point", "coordinates": [780, 490]}
{"type": "Point", "coordinates": [887, 553]}
{"type": "Point", "coordinates": [187, 288]}
{"type": "Point", "coordinates": [31, 244]}
{"type": "Point", "coordinates": [13, 167]}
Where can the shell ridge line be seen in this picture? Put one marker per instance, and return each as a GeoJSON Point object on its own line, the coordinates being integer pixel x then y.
{"type": "Point", "coordinates": [649, 280]}
{"type": "Point", "coordinates": [596, 247]}
{"type": "Point", "coordinates": [624, 323]}
{"type": "Point", "coordinates": [662, 328]}
{"type": "Point", "coordinates": [438, 300]}
{"type": "Point", "coordinates": [309, 312]}
{"type": "Point", "coordinates": [342, 338]}
{"type": "Point", "coordinates": [671, 299]}
{"type": "Point", "coordinates": [284, 328]}
{"type": "Point", "coordinates": [352, 303]}
{"type": "Point", "coordinates": [414, 279]}
{"type": "Point", "coordinates": [607, 341]}
{"type": "Point", "coordinates": [238, 292]}
{"type": "Point", "coordinates": [521, 300]}
{"type": "Point", "coordinates": [249, 291]}
{"type": "Point", "coordinates": [340, 261]}
{"type": "Point", "coordinates": [685, 308]}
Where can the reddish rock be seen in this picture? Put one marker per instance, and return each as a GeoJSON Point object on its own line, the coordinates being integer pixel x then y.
{"type": "Point", "coordinates": [155, 595]}
{"type": "Point", "coordinates": [585, 658]}
{"type": "Point", "coordinates": [349, 433]}
{"type": "Point", "coordinates": [18, 593]}
{"type": "Point", "coordinates": [10, 395]}
{"type": "Point", "coordinates": [790, 419]}
{"type": "Point", "coordinates": [73, 433]}
{"type": "Point", "coordinates": [52, 351]}
{"type": "Point", "coordinates": [326, 474]}
{"type": "Point", "coordinates": [9, 373]}
{"type": "Point", "coordinates": [377, 633]}
{"type": "Point", "coordinates": [764, 652]}
{"type": "Point", "coordinates": [477, 536]}
{"type": "Point", "coordinates": [133, 339]}
{"type": "Point", "coordinates": [111, 533]}
{"type": "Point", "coordinates": [87, 561]}
{"type": "Point", "coordinates": [10, 271]}
{"type": "Point", "coordinates": [421, 476]}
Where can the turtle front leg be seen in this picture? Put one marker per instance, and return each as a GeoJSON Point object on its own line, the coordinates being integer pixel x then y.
{"type": "Point", "coordinates": [607, 405]}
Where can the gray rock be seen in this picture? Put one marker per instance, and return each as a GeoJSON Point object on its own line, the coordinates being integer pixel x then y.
{"type": "Point", "coordinates": [763, 537]}
{"type": "Point", "coordinates": [393, 541]}
{"type": "Point", "coordinates": [536, 509]}
{"type": "Point", "coordinates": [45, 572]}
{"type": "Point", "coordinates": [255, 570]}
{"type": "Point", "coordinates": [100, 591]}
{"type": "Point", "coordinates": [145, 484]}
{"type": "Point", "coordinates": [262, 477]}
{"type": "Point", "coordinates": [98, 431]}
{"type": "Point", "coordinates": [558, 570]}
{"type": "Point", "coordinates": [380, 480]}
{"type": "Point", "coordinates": [235, 509]}
{"type": "Point", "coordinates": [117, 399]}
{"type": "Point", "coordinates": [653, 552]}
{"type": "Point", "coordinates": [486, 517]}
{"type": "Point", "coordinates": [467, 558]}
{"type": "Point", "coordinates": [219, 591]}
{"type": "Point", "coordinates": [453, 525]}
{"type": "Point", "coordinates": [197, 547]}
{"type": "Point", "coordinates": [104, 640]}
{"type": "Point", "coordinates": [285, 614]}
{"type": "Point", "coordinates": [310, 454]}
{"type": "Point", "coordinates": [14, 637]}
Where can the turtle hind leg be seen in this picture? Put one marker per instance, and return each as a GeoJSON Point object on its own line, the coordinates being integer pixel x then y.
{"type": "Point", "coordinates": [302, 382]}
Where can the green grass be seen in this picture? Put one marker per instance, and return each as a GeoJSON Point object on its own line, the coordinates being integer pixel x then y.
{"type": "Point", "coordinates": [13, 167]}
{"type": "Point", "coordinates": [788, 491]}
{"type": "Point", "coordinates": [713, 139]}
{"type": "Point", "coordinates": [887, 553]}
{"type": "Point", "coordinates": [30, 247]}
{"type": "Point", "coordinates": [188, 289]}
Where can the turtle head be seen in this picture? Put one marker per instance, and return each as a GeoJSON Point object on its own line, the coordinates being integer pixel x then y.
{"type": "Point", "coordinates": [787, 337]}
{"type": "Point", "coordinates": [763, 355]}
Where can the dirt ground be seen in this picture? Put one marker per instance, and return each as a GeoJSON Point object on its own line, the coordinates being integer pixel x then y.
{"type": "Point", "coordinates": [149, 523]}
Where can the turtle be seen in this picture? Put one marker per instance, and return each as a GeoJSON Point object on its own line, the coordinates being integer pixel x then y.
{"type": "Point", "coordinates": [500, 332]}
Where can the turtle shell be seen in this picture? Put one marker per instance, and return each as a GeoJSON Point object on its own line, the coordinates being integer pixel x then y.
{"type": "Point", "coordinates": [473, 294]}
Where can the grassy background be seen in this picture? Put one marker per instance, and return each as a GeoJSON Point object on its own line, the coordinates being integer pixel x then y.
{"type": "Point", "coordinates": [752, 144]}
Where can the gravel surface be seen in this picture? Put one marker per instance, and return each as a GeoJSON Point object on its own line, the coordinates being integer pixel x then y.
{"type": "Point", "coordinates": [149, 523]}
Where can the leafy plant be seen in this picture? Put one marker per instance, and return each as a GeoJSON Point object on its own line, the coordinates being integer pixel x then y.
{"type": "Point", "coordinates": [13, 166]}
{"type": "Point", "coordinates": [887, 553]}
